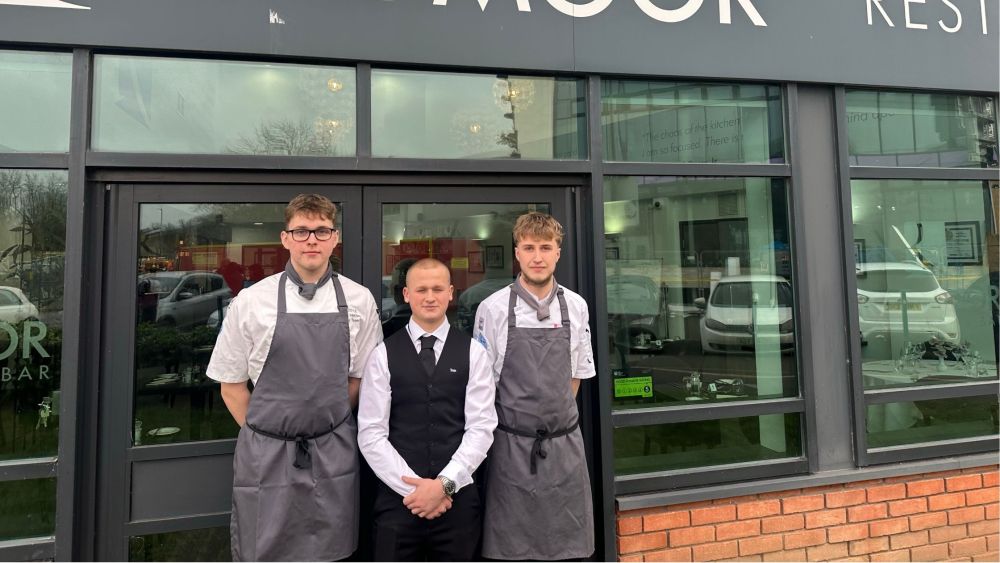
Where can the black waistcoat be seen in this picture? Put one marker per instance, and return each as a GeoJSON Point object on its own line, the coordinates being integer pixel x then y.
{"type": "Point", "coordinates": [427, 416]}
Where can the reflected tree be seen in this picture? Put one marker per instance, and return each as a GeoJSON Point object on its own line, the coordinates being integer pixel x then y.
{"type": "Point", "coordinates": [290, 138]}
{"type": "Point", "coordinates": [32, 249]}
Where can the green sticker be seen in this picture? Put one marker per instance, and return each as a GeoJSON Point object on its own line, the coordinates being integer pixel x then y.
{"type": "Point", "coordinates": [634, 386]}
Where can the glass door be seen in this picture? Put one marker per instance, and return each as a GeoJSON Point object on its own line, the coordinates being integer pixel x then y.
{"type": "Point", "coordinates": [183, 252]}
{"type": "Point", "coordinates": [178, 254]}
{"type": "Point", "coordinates": [467, 228]}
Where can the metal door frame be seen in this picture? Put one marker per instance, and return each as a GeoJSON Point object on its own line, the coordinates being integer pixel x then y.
{"type": "Point", "coordinates": [116, 456]}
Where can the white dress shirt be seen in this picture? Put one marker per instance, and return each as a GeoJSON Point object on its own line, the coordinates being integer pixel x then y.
{"type": "Point", "coordinates": [376, 403]}
{"type": "Point", "coordinates": [491, 329]}
{"type": "Point", "coordinates": [248, 326]}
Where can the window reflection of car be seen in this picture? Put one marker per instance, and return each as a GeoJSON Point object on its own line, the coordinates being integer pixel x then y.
{"type": "Point", "coordinates": [185, 299]}
{"type": "Point", "coordinates": [634, 306]}
{"type": "Point", "coordinates": [745, 311]}
{"type": "Point", "coordinates": [215, 319]}
{"type": "Point", "coordinates": [469, 300]}
{"type": "Point", "coordinates": [15, 306]}
{"type": "Point", "coordinates": [929, 309]}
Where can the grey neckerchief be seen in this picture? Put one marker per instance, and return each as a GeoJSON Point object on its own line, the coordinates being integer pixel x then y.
{"type": "Point", "coordinates": [541, 307]}
{"type": "Point", "coordinates": [307, 290]}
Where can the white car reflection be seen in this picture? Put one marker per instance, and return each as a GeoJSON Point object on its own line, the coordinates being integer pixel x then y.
{"type": "Point", "coordinates": [185, 298]}
{"type": "Point", "coordinates": [15, 306]}
{"type": "Point", "coordinates": [929, 309]}
{"type": "Point", "coordinates": [743, 312]}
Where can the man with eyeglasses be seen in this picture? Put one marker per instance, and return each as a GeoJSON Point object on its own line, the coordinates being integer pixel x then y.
{"type": "Point", "coordinates": [302, 337]}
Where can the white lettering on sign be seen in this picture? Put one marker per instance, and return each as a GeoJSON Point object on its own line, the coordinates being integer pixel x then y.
{"type": "Point", "coordinates": [591, 8]}
{"type": "Point", "coordinates": [748, 7]}
{"type": "Point", "coordinates": [906, 11]}
{"type": "Point", "coordinates": [44, 4]}
{"type": "Point", "coordinates": [911, 19]}
{"type": "Point", "coordinates": [33, 332]}
{"type": "Point", "coordinates": [881, 10]}
{"type": "Point", "coordinates": [7, 374]}
{"type": "Point", "coordinates": [958, 18]}
{"type": "Point", "coordinates": [666, 15]}
{"type": "Point", "coordinates": [522, 5]}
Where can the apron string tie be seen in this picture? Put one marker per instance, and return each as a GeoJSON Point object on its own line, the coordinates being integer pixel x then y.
{"type": "Point", "coordinates": [303, 457]}
{"type": "Point", "coordinates": [540, 435]}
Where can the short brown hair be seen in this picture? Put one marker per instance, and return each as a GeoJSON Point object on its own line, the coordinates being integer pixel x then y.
{"type": "Point", "coordinates": [537, 225]}
{"type": "Point", "coordinates": [311, 205]}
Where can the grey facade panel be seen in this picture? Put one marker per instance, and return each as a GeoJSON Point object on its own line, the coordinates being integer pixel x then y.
{"type": "Point", "coordinates": [842, 42]}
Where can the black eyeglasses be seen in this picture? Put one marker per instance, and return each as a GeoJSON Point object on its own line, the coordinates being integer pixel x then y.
{"type": "Point", "coordinates": [302, 235]}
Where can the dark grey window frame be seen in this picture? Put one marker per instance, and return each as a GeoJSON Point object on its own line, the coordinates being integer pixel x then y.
{"type": "Point", "coordinates": [670, 480]}
{"type": "Point", "coordinates": [864, 455]}
{"type": "Point", "coordinates": [45, 547]}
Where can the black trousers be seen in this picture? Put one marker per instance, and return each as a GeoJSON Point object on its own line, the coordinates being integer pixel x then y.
{"type": "Point", "coordinates": [400, 536]}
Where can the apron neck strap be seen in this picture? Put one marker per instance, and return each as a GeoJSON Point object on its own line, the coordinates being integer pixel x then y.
{"type": "Point", "coordinates": [338, 288]}
{"type": "Point", "coordinates": [563, 308]}
{"type": "Point", "coordinates": [282, 304]}
{"type": "Point", "coordinates": [512, 303]}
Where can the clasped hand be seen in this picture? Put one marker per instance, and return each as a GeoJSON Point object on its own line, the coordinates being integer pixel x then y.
{"type": "Point", "coordinates": [428, 499]}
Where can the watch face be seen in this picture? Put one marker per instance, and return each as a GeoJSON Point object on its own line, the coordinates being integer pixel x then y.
{"type": "Point", "coordinates": [449, 486]}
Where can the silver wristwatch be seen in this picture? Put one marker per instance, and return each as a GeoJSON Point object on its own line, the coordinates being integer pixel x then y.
{"type": "Point", "coordinates": [448, 484]}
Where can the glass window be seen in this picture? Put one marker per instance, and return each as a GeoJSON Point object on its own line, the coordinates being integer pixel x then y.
{"type": "Point", "coordinates": [911, 422]}
{"type": "Point", "coordinates": [925, 256]}
{"type": "Point", "coordinates": [27, 508]}
{"type": "Point", "coordinates": [921, 129]}
{"type": "Point", "coordinates": [32, 248]}
{"type": "Point", "coordinates": [157, 105]}
{"type": "Point", "coordinates": [209, 544]}
{"type": "Point", "coordinates": [193, 259]}
{"type": "Point", "coordinates": [648, 121]}
{"type": "Point", "coordinates": [699, 289]}
{"type": "Point", "coordinates": [448, 115]}
{"type": "Point", "coordinates": [34, 101]}
{"type": "Point", "coordinates": [684, 445]}
{"type": "Point", "coordinates": [473, 239]}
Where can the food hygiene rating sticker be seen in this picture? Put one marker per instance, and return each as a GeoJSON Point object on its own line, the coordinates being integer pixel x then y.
{"type": "Point", "coordinates": [634, 387]}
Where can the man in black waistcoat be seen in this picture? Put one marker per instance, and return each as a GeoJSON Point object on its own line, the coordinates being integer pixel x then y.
{"type": "Point", "coordinates": [425, 423]}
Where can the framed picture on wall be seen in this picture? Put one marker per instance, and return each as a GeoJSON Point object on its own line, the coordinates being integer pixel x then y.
{"type": "Point", "coordinates": [963, 243]}
{"type": "Point", "coordinates": [611, 253]}
{"type": "Point", "coordinates": [859, 251]}
{"type": "Point", "coordinates": [494, 257]}
{"type": "Point", "coordinates": [476, 262]}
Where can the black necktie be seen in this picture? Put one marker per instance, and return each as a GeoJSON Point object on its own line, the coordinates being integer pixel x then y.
{"type": "Point", "coordinates": [427, 353]}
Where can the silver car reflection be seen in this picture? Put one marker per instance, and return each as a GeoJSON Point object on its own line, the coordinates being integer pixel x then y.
{"type": "Point", "coordinates": [896, 298]}
{"type": "Point", "coordinates": [15, 306]}
{"type": "Point", "coordinates": [185, 299]}
{"type": "Point", "coordinates": [744, 312]}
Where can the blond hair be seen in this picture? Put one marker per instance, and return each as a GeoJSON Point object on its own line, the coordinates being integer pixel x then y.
{"type": "Point", "coordinates": [537, 225]}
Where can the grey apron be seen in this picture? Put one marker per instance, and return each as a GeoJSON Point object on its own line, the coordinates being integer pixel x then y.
{"type": "Point", "coordinates": [295, 486]}
{"type": "Point", "coordinates": [538, 500]}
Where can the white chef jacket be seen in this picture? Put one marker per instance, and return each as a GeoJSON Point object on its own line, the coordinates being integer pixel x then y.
{"type": "Point", "coordinates": [376, 403]}
{"type": "Point", "coordinates": [248, 326]}
{"type": "Point", "coordinates": [491, 329]}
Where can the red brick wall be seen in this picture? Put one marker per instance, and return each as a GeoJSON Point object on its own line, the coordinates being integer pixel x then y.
{"type": "Point", "coordinates": [946, 516]}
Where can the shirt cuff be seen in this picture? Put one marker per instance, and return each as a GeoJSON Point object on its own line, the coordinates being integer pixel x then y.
{"type": "Point", "coordinates": [457, 473]}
